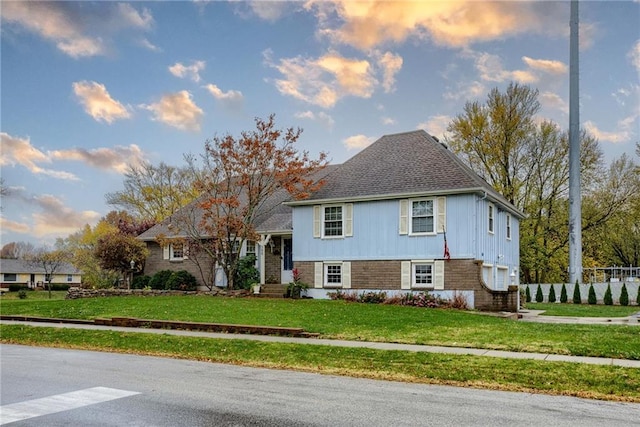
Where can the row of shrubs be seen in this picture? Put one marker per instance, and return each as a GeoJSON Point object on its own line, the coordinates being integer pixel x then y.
{"type": "Point", "coordinates": [16, 287]}
{"type": "Point", "coordinates": [180, 280]}
{"type": "Point", "coordinates": [577, 298]}
{"type": "Point", "coordinates": [419, 299]}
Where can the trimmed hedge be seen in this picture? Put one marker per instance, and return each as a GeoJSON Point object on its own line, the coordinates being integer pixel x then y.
{"type": "Point", "coordinates": [182, 281]}
{"type": "Point", "coordinates": [552, 294]}
{"type": "Point", "coordinates": [528, 294]}
{"type": "Point", "coordinates": [160, 279]}
{"type": "Point", "coordinates": [563, 294]}
{"type": "Point", "coordinates": [592, 295]}
{"type": "Point", "coordinates": [577, 299]}
{"type": "Point", "coordinates": [608, 299]}
{"type": "Point", "coordinates": [140, 282]}
{"type": "Point", "coordinates": [539, 296]}
{"type": "Point", "coordinates": [624, 295]}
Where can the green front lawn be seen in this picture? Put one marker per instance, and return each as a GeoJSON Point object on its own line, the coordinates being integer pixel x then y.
{"type": "Point", "coordinates": [353, 321]}
{"type": "Point", "coordinates": [584, 310]}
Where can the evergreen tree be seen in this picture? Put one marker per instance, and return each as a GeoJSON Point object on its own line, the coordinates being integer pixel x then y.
{"type": "Point", "coordinates": [528, 294]}
{"type": "Point", "coordinates": [552, 294]}
{"type": "Point", "coordinates": [577, 299]}
{"type": "Point", "coordinates": [539, 297]}
{"type": "Point", "coordinates": [608, 299]}
{"type": "Point", "coordinates": [592, 295]}
{"type": "Point", "coordinates": [624, 295]}
{"type": "Point", "coordinates": [563, 294]}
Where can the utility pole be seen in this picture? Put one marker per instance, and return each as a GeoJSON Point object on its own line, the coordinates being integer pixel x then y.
{"type": "Point", "coordinates": [575, 201]}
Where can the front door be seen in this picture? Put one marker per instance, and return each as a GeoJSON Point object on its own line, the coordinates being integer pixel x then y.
{"type": "Point", "coordinates": [287, 260]}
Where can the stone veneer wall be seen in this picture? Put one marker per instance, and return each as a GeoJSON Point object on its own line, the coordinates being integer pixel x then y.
{"type": "Point", "coordinates": [273, 261]}
{"type": "Point", "coordinates": [155, 262]}
{"type": "Point", "coordinates": [458, 275]}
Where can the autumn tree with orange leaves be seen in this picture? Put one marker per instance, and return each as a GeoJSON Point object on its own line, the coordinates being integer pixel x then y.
{"type": "Point", "coordinates": [238, 182]}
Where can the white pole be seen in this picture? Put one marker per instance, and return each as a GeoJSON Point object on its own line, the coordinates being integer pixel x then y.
{"type": "Point", "coordinates": [575, 205]}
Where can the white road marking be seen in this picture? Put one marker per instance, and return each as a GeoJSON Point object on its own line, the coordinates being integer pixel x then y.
{"type": "Point", "coordinates": [59, 403]}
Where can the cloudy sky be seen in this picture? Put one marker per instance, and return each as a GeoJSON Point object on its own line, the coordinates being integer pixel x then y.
{"type": "Point", "coordinates": [91, 87]}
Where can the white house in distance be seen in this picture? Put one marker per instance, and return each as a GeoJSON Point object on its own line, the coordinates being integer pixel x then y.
{"type": "Point", "coordinates": [403, 215]}
{"type": "Point", "coordinates": [21, 272]}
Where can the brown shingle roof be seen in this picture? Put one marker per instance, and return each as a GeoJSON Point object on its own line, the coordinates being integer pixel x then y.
{"type": "Point", "coordinates": [397, 165]}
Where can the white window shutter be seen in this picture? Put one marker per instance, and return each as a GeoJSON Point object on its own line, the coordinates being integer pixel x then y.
{"type": "Point", "coordinates": [405, 275]}
{"type": "Point", "coordinates": [317, 219]}
{"type": "Point", "coordinates": [442, 214]}
{"type": "Point", "coordinates": [404, 217]}
{"type": "Point", "coordinates": [185, 250]}
{"type": "Point", "coordinates": [348, 220]}
{"type": "Point", "coordinates": [318, 276]}
{"type": "Point", "coordinates": [438, 277]}
{"type": "Point", "coordinates": [346, 275]}
{"type": "Point", "coordinates": [165, 252]}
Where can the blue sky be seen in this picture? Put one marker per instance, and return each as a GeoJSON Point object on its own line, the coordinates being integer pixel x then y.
{"type": "Point", "coordinates": [90, 87]}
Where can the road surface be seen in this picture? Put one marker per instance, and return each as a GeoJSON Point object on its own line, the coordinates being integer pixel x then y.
{"type": "Point", "coordinates": [58, 387]}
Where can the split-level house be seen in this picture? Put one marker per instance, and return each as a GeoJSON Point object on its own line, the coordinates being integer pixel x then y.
{"type": "Point", "coordinates": [403, 215]}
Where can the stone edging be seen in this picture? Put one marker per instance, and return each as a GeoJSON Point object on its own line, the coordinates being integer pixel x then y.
{"type": "Point", "coordinates": [170, 324]}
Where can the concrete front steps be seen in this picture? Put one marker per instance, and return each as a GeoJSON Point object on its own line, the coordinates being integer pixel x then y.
{"type": "Point", "coordinates": [272, 291]}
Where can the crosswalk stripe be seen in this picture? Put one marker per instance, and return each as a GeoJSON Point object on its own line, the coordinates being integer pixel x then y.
{"type": "Point", "coordinates": [59, 403]}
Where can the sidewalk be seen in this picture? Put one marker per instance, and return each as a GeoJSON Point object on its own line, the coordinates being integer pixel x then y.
{"type": "Point", "coordinates": [357, 344]}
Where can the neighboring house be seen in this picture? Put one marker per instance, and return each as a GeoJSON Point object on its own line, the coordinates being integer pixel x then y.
{"type": "Point", "coordinates": [379, 223]}
{"type": "Point", "coordinates": [21, 272]}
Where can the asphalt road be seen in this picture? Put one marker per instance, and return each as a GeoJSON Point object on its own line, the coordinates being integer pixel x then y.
{"type": "Point", "coordinates": [83, 388]}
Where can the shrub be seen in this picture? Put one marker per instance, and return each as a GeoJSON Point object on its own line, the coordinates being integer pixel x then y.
{"type": "Point", "coordinates": [182, 281]}
{"type": "Point", "coordinates": [624, 295]}
{"type": "Point", "coordinates": [16, 287]}
{"type": "Point", "coordinates": [539, 297]}
{"type": "Point", "coordinates": [552, 294]}
{"type": "Point", "coordinates": [22, 293]}
{"type": "Point", "coordinates": [592, 295]}
{"type": "Point", "coordinates": [160, 279]}
{"type": "Point", "coordinates": [421, 299]}
{"type": "Point", "coordinates": [528, 294]}
{"type": "Point", "coordinates": [459, 302]}
{"type": "Point", "coordinates": [638, 297]}
{"type": "Point", "coordinates": [247, 273]}
{"type": "Point", "coordinates": [372, 297]}
{"type": "Point", "coordinates": [608, 299]}
{"type": "Point", "coordinates": [344, 296]}
{"type": "Point", "coordinates": [59, 287]}
{"type": "Point", "coordinates": [140, 282]}
{"type": "Point", "coordinates": [563, 294]}
{"type": "Point", "coordinates": [577, 299]}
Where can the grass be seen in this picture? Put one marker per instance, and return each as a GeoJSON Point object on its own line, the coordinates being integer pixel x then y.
{"type": "Point", "coordinates": [34, 295]}
{"type": "Point", "coordinates": [561, 378]}
{"type": "Point", "coordinates": [352, 321]}
{"type": "Point", "coordinates": [584, 310]}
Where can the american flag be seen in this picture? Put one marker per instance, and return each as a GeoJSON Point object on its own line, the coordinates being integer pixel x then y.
{"type": "Point", "coordinates": [447, 255]}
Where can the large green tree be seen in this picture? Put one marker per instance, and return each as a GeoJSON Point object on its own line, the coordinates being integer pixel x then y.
{"type": "Point", "coordinates": [154, 192]}
{"type": "Point", "coordinates": [526, 160]}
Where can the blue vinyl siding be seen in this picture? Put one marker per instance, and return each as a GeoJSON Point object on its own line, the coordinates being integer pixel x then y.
{"type": "Point", "coordinates": [376, 234]}
{"type": "Point", "coordinates": [495, 249]}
